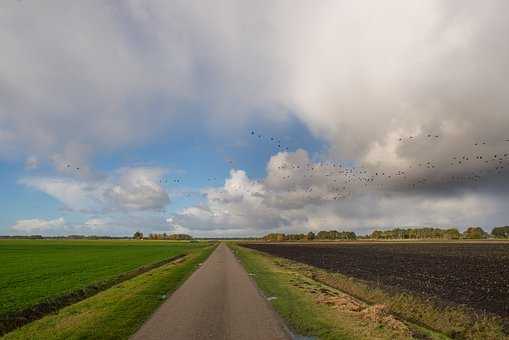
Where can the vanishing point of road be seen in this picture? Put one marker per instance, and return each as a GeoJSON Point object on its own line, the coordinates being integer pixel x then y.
{"type": "Point", "coordinates": [218, 301]}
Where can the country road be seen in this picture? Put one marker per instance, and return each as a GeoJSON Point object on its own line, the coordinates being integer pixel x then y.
{"type": "Point", "coordinates": [219, 301]}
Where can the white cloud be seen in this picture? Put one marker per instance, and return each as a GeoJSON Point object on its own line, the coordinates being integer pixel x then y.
{"type": "Point", "coordinates": [109, 225]}
{"type": "Point", "coordinates": [38, 225]}
{"type": "Point", "coordinates": [138, 189]}
{"type": "Point", "coordinates": [127, 189]}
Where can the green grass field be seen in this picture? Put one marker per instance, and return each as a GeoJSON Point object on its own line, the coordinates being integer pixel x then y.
{"type": "Point", "coordinates": [34, 270]}
{"type": "Point", "coordinates": [119, 311]}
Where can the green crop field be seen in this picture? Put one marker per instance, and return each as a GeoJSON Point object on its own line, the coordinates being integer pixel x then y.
{"type": "Point", "coordinates": [34, 270]}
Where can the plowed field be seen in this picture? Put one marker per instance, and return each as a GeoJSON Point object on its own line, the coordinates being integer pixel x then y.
{"type": "Point", "coordinates": [473, 274]}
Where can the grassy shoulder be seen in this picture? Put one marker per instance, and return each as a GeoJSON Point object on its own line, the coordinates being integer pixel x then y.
{"type": "Point", "coordinates": [423, 317]}
{"type": "Point", "coordinates": [118, 312]}
{"type": "Point", "coordinates": [314, 309]}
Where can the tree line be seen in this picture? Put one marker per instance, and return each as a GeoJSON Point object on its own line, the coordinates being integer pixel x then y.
{"type": "Point", "coordinates": [321, 235]}
{"type": "Point", "coordinates": [139, 236]}
{"type": "Point", "coordinates": [471, 233]}
{"type": "Point", "coordinates": [416, 233]}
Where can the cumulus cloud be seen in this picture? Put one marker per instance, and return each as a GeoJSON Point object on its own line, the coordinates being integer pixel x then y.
{"type": "Point", "coordinates": [236, 206]}
{"type": "Point", "coordinates": [127, 189]}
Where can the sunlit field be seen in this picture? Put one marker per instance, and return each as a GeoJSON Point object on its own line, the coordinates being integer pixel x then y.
{"type": "Point", "coordinates": [35, 270]}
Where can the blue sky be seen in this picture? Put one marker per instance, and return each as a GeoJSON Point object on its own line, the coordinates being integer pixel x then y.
{"type": "Point", "coordinates": [139, 116]}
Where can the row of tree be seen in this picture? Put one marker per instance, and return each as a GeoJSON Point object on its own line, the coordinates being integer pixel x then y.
{"type": "Point", "coordinates": [471, 233]}
{"type": "Point", "coordinates": [416, 233]}
{"type": "Point", "coordinates": [139, 236]}
{"type": "Point", "coordinates": [321, 235]}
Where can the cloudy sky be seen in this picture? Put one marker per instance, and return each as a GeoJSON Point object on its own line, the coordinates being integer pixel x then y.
{"type": "Point", "coordinates": [235, 118]}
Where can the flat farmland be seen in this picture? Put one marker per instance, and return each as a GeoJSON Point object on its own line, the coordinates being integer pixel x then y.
{"type": "Point", "coordinates": [471, 274]}
{"type": "Point", "coordinates": [32, 271]}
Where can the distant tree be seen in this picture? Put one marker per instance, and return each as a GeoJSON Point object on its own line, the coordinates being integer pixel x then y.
{"type": "Point", "coordinates": [475, 233]}
{"type": "Point", "coordinates": [138, 235]}
{"type": "Point", "coordinates": [179, 237]}
{"type": "Point", "coordinates": [349, 235]}
{"type": "Point", "coordinates": [165, 236]}
{"type": "Point", "coordinates": [295, 237]}
{"type": "Point", "coordinates": [269, 237]}
{"type": "Point", "coordinates": [500, 232]}
{"type": "Point", "coordinates": [415, 233]}
{"type": "Point", "coordinates": [280, 237]}
{"type": "Point", "coordinates": [452, 234]}
{"type": "Point", "coordinates": [323, 235]}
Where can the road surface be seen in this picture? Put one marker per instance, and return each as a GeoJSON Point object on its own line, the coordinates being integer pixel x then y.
{"type": "Point", "coordinates": [219, 301]}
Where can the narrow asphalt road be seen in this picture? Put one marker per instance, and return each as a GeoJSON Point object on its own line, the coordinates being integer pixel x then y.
{"type": "Point", "coordinates": [219, 301]}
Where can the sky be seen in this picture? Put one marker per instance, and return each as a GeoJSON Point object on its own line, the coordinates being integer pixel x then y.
{"type": "Point", "coordinates": [240, 118]}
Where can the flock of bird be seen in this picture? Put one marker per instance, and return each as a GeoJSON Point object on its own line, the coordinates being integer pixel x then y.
{"type": "Point", "coordinates": [68, 166]}
{"type": "Point", "coordinates": [166, 180]}
{"type": "Point", "coordinates": [276, 142]}
{"type": "Point", "coordinates": [335, 180]}
{"type": "Point", "coordinates": [339, 181]}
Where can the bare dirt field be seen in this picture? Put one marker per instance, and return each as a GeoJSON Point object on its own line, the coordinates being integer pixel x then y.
{"type": "Point", "coordinates": [471, 274]}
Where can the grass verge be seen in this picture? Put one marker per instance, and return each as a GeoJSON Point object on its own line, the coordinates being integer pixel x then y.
{"type": "Point", "coordinates": [117, 312]}
{"type": "Point", "coordinates": [314, 309]}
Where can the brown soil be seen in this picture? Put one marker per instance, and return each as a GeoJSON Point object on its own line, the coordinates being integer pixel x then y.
{"type": "Point", "coordinates": [474, 275]}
